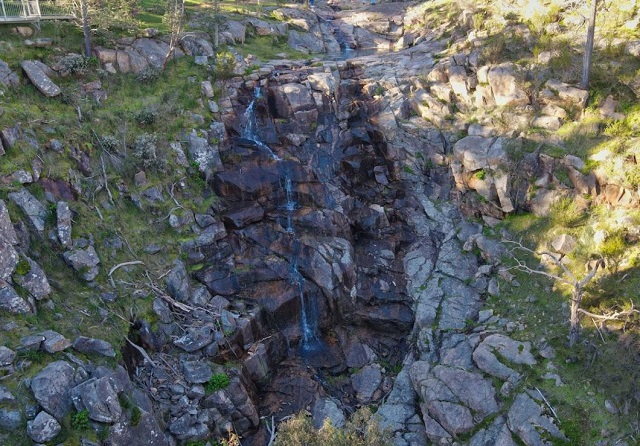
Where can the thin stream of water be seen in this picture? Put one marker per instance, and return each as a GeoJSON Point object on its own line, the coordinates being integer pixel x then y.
{"type": "Point", "coordinates": [308, 313]}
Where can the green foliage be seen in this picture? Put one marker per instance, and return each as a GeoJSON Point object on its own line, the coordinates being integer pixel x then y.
{"type": "Point", "coordinates": [362, 429]}
{"type": "Point", "coordinates": [566, 213]}
{"type": "Point", "coordinates": [218, 381]}
{"type": "Point", "coordinates": [149, 74]}
{"type": "Point", "coordinates": [146, 116]}
{"type": "Point", "coordinates": [80, 420]}
{"type": "Point", "coordinates": [110, 143]}
{"type": "Point", "coordinates": [225, 65]}
{"type": "Point", "coordinates": [73, 64]}
{"type": "Point", "coordinates": [480, 175]}
{"type": "Point", "coordinates": [135, 415]}
{"type": "Point", "coordinates": [145, 149]}
{"type": "Point", "coordinates": [409, 170]}
{"type": "Point", "coordinates": [23, 267]}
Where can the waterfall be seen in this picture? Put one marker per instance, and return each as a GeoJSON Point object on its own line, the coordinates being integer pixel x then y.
{"type": "Point", "coordinates": [250, 131]}
{"type": "Point", "coordinates": [308, 312]}
{"type": "Point", "coordinates": [290, 204]}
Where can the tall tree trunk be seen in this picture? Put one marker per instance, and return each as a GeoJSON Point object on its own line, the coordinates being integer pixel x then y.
{"type": "Point", "coordinates": [86, 31]}
{"type": "Point", "coordinates": [588, 50]}
{"type": "Point", "coordinates": [216, 25]}
{"type": "Point", "coordinates": [574, 331]}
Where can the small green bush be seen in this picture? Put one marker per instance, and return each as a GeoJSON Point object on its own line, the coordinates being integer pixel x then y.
{"type": "Point", "coordinates": [145, 149]}
{"type": "Point", "coordinates": [480, 175]}
{"type": "Point", "coordinates": [135, 415]}
{"type": "Point", "coordinates": [566, 213]}
{"type": "Point", "coordinates": [23, 267]}
{"type": "Point", "coordinates": [361, 429]}
{"type": "Point", "coordinates": [146, 116]}
{"type": "Point", "coordinates": [218, 381]}
{"type": "Point", "coordinates": [80, 420]}
{"type": "Point", "coordinates": [149, 74]}
{"type": "Point", "coordinates": [110, 143]}
{"type": "Point", "coordinates": [73, 64]}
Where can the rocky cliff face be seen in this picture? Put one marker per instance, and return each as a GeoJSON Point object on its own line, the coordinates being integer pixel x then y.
{"type": "Point", "coordinates": [336, 267]}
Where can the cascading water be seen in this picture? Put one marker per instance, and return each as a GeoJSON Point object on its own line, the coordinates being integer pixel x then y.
{"type": "Point", "coordinates": [250, 131]}
{"type": "Point", "coordinates": [308, 313]}
{"type": "Point", "coordinates": [290, 204]}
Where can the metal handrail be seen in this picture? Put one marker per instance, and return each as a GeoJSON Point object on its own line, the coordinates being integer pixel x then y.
{"type": "Point", "coordinates": [28, 10]}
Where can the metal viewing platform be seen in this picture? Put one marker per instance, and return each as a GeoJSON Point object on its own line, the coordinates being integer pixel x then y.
{"type": "Point", "coordinates": [24, 11]}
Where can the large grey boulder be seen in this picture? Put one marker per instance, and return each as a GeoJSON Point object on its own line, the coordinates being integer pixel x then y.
{"type": "Point", "coordinates": [568, 92]}
{"type": "Point", "coordinates": [84, 261]}
{"type": "Point", "coordinates": [7, 232]}
{"type": "Point", "coordinates": [35, 281]}
{"type": "Point", "coordinates": [526, 420]}
{"type": "Point", "coordinates": [10, 301]}
{"type": "Point", "coordinates": [235, 32]}
{"type": "Point", "coordinates": [454, 400]}
{"type": "Point", "coordinates": [10, 419]}
{"type": "Point", "coordinates": [196, 372]}
{"type": "Point", "coordinates": [305, 42]}
{"type": "Point", "coordinates": [63, 228]}
{"type": "Point", "coordinates": [326, 409]}
{"type": "Point", "coordinates": [154, 51]}
{"type": "Point", "coordinates": [205, 155]}
{"type": "Point", "coordinates": [500, 346]}
{"type": "Point", "coordinates": [264, 28]}
{"type": "Point", "coordinates": [506, 91]}
{"type": "Point", "coordinates": [33, 209]}
{"type": "Point", "coordinates": [195, 338]}
{"type": "Point", "coordinates": [6, 356]}
{"type": "Point", "coordinates": [5, 395]}
{"type": "Point", "coordinates": [90, 345]}
{"type": "Point", "coordinates": [54, 342]}
{"type": "Point", "coordinates": [51, 388]}
{"type": "Point", "coordinates": [43, 428]}
{"type": "Point", "coordinates": [39, 78]}
{"type": "Point", "coordinates": [497, 434]}
{"type": "Point", "coordinates": [8, 260]}
{"type": "Point", "coordinates": [177, 282]}
{"type": "Point", "coordinates": [197, 44]}
{"type": "Point", "coordinates": [8, 78]}
{"type": "Point", "coordinates": [99, 398]}
{"type": "Point", "coordinates": [366, 381]}
{"type": "Point", "coordinates": [399, 413]}
{"type": "Point", "coordinates": [147, 432]}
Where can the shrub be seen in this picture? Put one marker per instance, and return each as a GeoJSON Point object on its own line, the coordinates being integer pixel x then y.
{"type": "Point", "coordinates": [565, 212]}
{"type": "Point", "coordinates": [72, 64]}
{"type": "Point", "coordinates": [145, 149]}
{"type": "Point", "coordinates": [80, 420]}
{"type": "Point", "coordinates": [110, 143]}
{"type": "Point", "coordinates": [149, 74]}
{"type": "Point", "coordinates": [225, 65]}
{"type": "Point", "coordinates": [146, 116]}
{"type": "Point", "coordinates": [23, 267]}
{"type": "Point", "coordinates": [218, 381]}
{"type": "Point", "coordinates": [362, 429]}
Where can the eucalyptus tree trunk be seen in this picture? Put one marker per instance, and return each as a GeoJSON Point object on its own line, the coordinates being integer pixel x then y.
{"type": "Point", "coordinates": [574, 317]}
{"type": "Point", "coordinates": [216, 24]}
{"type": "Point", "coordinates": [86, 31]}
{"type": "Point", "coordinates": [588, 50]}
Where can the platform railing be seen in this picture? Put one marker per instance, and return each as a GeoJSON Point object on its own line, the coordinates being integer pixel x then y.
{"type": "Point", "coordinates": [31, 10]}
